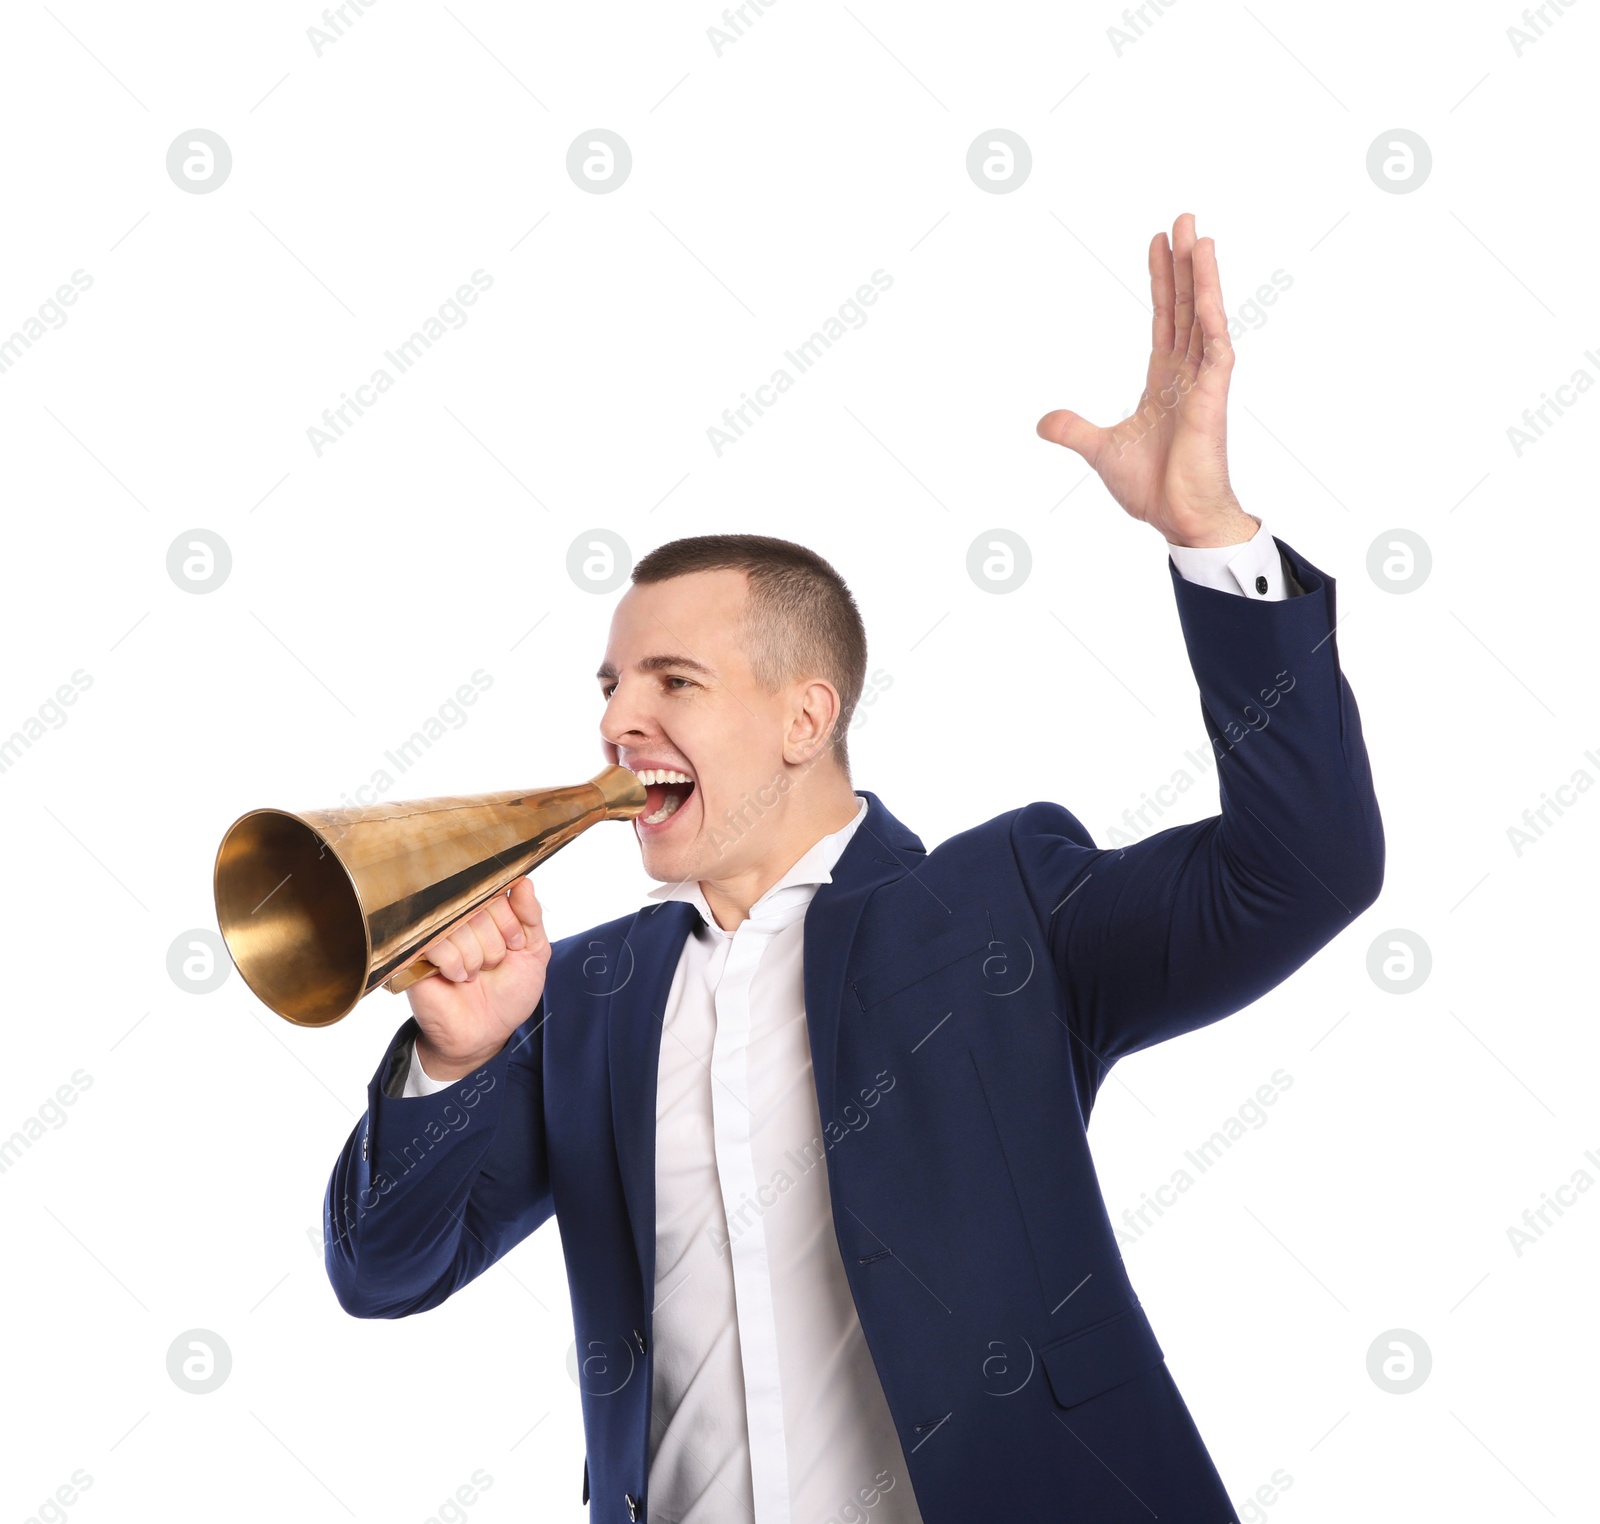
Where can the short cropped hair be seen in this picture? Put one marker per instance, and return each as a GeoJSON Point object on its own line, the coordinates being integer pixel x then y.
{"type": "Point", "coordinates": [800, 621]}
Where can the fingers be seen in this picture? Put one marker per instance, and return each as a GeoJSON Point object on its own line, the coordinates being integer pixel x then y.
{"type": "Point", "coordinates": [1064, 427]}
{"type": "Point", "coordinates": [466, 948]}
{"type": "Point", "coordinates": [446, 956]}
{"type": "Point", "coordinates": [1213, 324]}
{"type": "Point", "coordinates": [482, 941]}
{"type": "Point", "coordinates": [1183, 281]}
{"type": "Point", "coordinates": [1161, 294]}
{"type": "Point", "coordinates": [506, 922]}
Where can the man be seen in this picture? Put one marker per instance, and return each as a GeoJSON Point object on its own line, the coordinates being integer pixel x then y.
{"type": "Point", "coordinates": [813, 1122]}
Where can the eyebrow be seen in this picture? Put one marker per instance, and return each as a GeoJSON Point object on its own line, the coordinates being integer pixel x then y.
{"type": "Point", "coordinates": [658, 664]}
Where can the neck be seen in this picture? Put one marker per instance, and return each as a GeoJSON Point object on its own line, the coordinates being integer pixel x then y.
{"type": "Point", "coordinates": [805, 814]}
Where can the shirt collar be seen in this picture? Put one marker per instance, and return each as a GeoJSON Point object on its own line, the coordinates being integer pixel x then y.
{"type": "Point", "coordinates": [810, 872]}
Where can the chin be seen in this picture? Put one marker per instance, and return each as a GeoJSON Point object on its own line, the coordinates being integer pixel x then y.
{"type": "Point", "coordinates": [668, 864]}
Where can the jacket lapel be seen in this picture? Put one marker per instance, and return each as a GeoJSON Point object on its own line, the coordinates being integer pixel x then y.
{"type": "Point", "coordinates": [882, 849]}
{"type": "Point", "coordinates": [650, 951]}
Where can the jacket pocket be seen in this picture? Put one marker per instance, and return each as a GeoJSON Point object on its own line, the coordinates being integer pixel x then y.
{"type": "Point", "coordinates": [1102, 1356]}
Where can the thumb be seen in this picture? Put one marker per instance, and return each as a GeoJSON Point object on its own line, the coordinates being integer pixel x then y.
{"type": "Point", "coordinates": [1064, 427]}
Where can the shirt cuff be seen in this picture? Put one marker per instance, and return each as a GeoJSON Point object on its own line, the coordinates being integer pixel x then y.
{"type": "Point", "coordinates": [419, 1083]}
{"type": "Point", "coordinates": [1254, 568]}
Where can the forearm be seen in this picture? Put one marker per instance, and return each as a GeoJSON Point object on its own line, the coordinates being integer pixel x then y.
{"type": "Point", "coordinates": [1299, 817]}
{"type": "Point", "coordinates": [430, 1190]}
{"type": "Point", "coordinates": [1196, 921]}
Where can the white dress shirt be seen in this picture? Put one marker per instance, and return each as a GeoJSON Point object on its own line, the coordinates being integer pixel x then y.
{"type": "Point", "coordinates": [748, 1270]}
{"type": "Point", "coordinates": [765, 1403]}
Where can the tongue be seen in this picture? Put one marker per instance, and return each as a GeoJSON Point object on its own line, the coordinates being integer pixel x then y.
{"type": "Point", "coordinates": [656, 794]}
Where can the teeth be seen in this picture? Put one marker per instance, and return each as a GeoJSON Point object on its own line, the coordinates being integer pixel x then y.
{"type": "Point", "coordinates": [661, 775]}
{"type": "Point", "coordinates": [669, 808]}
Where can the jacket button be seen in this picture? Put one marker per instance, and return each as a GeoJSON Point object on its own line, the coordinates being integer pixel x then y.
{"type": "Point", "coordinates": [633, 1506]}
{"type": "Point", "coordinates": [638, 1338]}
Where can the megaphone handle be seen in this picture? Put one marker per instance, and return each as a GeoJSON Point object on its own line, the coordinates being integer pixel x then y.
{"type": "Point", "coordinates": [412, 973]}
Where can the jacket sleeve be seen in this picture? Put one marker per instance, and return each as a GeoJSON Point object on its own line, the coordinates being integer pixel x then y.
{"type": "Point", "coordinates": [1192, 923]}
{"type": "Point", "coordinates": [429, 1191]}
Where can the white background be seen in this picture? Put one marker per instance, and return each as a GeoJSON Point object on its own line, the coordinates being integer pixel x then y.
{"type": "Point", "coordinates": [182, 1189]}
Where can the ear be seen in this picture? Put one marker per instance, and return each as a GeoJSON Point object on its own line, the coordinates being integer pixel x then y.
{"type": "Point", "coordinates": [811, 721]}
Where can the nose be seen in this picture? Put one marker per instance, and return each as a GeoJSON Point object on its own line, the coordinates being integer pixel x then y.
{"type": "Point", "coordinates": [623, 723]}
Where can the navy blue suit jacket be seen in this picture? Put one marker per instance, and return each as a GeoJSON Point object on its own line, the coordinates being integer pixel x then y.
{"type": "Point", "coordinates": [968, 1004]}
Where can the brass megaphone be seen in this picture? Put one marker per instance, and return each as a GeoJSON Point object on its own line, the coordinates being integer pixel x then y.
{"type": "Point", "coordinates": [319, 909]}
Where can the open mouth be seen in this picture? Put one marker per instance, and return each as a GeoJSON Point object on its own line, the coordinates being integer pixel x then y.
{"type": "Point", "coordinates": [665, 792]}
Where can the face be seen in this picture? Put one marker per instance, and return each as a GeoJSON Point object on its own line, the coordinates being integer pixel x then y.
{"type": "Point", "coordinates": [680, 698]}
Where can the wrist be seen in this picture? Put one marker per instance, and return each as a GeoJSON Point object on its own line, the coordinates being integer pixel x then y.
{"type": "Point", "coordinates": [1230, 527]}
{"type": "Point", "coordinates": [438, 1066]}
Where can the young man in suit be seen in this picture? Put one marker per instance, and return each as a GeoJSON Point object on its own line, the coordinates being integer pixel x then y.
{"type": "Point", "coordinates": [813, 1121]}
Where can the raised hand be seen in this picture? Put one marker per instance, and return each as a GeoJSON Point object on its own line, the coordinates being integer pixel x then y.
{"type": "Point", "coordinates": [1167, 464]}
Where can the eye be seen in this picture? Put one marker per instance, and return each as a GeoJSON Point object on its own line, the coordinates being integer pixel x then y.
{"type": "Point", "coordinates": [607, 689]}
